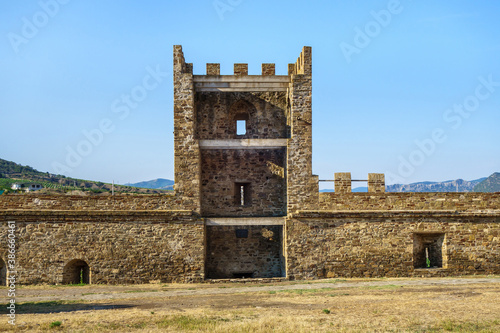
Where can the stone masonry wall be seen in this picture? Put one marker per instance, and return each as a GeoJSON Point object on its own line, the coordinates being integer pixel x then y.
{"type": "Point", "coordinates": [186, 148]}
{"type": "Point", "coordinates": [377, 245]}
{"type": "Point", "coordinates": [264, 112]}
{"type": "Point", "coordinates": [94, 203]}
{"type": "Point", "coordinates": [262, 169]}
{"type": "Point", "coordinates": [302, 186]}
{"type": "Point", "coordinates": [469, 201]}
{"type": "Point", "coordinates": [119, 247]}
{"type": "Point", "coordinates": [258, 255]}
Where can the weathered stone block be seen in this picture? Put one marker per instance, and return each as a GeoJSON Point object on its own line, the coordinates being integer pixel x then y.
{"type": "Point", "coordinates": [240, 69]}
{"type": "Point", "coordinates": [213, 69]}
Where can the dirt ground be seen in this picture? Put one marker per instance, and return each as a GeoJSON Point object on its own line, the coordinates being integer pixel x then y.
{"type": "Point", "coordinates": [470, 304]}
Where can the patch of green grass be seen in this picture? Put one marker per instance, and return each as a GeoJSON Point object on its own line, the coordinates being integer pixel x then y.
{"type": "Point", "coordinates": [455, 326]}
{"type": "Point", "coordinates": [140, 291]}
{"type": "Point", "coordinates": [55, 324]}
{"type": "Point", "coordinates": [339, 294]}
{"type": "Point", "coordinates": [110, 326]}
{"type": "Point", "coordinates": [190, 323]}
{"type": "Point", "coordinates": [302, 291]}
{"type": "Point", "coordinates": [336, 281]}
{"type": "Point", "coordinates": [138, 325]}
{"type": "Point", "coordinates": [76, 285]}
{"type": "Point", "coordinates": [388, 286]}
{"type": "Point", "coordinates": [326, 311]}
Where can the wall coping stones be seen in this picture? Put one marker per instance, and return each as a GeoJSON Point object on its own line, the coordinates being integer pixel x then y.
{"type": "Point", "coordinates": [391, 213]}
{"type": "Point", "coordinates": [243, 221]}
{"type": "Point", "coordinates": [73, 213]}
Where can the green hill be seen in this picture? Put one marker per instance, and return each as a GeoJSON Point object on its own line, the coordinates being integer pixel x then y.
{"type": "Point", "coordinates": [160, 184]}
{"type": "Point", "coordinates": [490, 184]}
{"type": "Point", "coordinates": [11, 173]}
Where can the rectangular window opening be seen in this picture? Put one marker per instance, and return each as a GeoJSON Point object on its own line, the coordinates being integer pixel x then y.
{"type": "Point", "coordinates": [241, 233]}
{"type": "Point", "coordinates": [241, 127]}
{"type": "Point", "coordinates": [242, 194]}
{"type": "Point", "coordinates": [428, 250]}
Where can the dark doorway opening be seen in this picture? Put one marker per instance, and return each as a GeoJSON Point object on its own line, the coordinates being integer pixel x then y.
{"type": "Point", "coordinates": [76, 272]}
{"type": "Point", "coordinates": [428, 250]}
{"type": "Point", "coordinates": [244, 251]}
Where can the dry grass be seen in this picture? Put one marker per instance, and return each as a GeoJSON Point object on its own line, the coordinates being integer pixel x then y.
{"type": "Point", "coordinates": [388, 308]}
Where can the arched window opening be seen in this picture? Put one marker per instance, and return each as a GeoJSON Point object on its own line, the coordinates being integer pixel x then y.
{"type": "Point", "coordinates": [241, 123]}
{"type": "Point", "coordinates": [239, 116]}
{"type": "Point", "coordinates": [241, 127]}
{"type": "Point", "coordinates": [76, 272]}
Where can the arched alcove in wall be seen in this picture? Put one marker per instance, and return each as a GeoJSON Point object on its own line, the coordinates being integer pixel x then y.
{"type": "Point", "coordinates": [76, 271]}
{"type": "Point", "coordinates": [242, 113]}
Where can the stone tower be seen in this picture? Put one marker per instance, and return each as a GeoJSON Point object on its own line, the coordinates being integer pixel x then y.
{"type": "Point", "coordinates": [243, 153]}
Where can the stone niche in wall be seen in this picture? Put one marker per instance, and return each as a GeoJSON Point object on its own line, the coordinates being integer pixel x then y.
{"type": "Point", "coordinates": [429, 250]}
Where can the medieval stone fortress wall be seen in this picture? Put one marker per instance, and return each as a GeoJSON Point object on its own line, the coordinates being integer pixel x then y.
{"type": "Point", "coordinates": [246, 204]}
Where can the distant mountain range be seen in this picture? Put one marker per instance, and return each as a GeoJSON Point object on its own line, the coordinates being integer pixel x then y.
{"type": "Point", "coordinates": [13, 173]}
{"type": "Point", "coordinates": [485, 184]}
{"type": "Point", "coordinates": [458, 185]}
{"type": "Point", "coordinates": [490, 184]}
{"type": "Point", "coordinates": [159, 183]}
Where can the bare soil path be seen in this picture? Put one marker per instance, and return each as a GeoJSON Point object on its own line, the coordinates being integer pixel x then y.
{"type": "Point", "coordinates": [102, 292]}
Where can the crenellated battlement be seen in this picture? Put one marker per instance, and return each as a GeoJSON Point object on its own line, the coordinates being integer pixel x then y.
{"type": "Point", "coordinates": [241, 69]}
{"type": "Point", "coordinates": [303, 65]}
{"type": "Point", "coordinates": [213, 69]}
{"type": "Point", "coordinates": [343, 182]}
{"type": "Point", "coordinates": [180, 65]}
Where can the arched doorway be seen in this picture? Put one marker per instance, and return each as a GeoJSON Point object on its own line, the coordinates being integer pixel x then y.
{"type": "Point", "coordinates": [75, 272]}
{"type": "Point", "coordinates": [3, 273]}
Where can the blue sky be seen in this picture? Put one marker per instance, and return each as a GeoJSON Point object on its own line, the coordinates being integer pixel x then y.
{"type": "Point", "coordinates": [406, 88]}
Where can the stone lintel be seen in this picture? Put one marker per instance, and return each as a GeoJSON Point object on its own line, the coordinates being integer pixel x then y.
{"type": "Point", "coordinates": [243, 144]}
{"type": "Point", "coordinates": [244, 221]}
{"type": "Point", "coordinates": [230, 83]}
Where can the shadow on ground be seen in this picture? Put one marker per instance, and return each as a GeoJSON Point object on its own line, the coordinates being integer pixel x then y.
{"type": "Point", "coordinates": [64, 306]}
